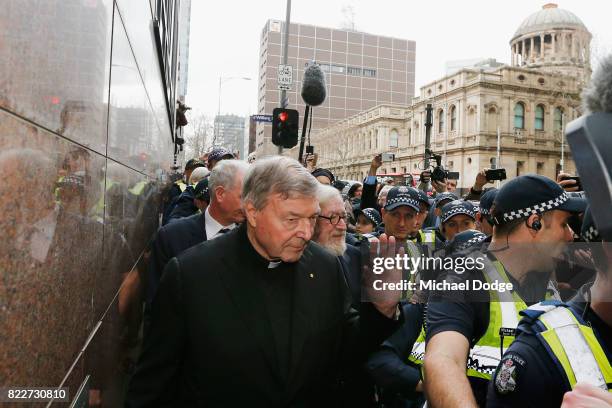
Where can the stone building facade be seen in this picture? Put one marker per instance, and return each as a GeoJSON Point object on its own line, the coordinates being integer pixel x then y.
{"type": "Point", "coordinates": [528, 105]}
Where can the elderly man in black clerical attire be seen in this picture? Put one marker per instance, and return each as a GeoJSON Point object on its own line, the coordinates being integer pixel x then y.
{"type": "Point", "coordinates": [260, 316]}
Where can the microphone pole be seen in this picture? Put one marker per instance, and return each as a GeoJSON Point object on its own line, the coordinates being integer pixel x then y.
{"type": "Point", "coordinates": [304, 126]}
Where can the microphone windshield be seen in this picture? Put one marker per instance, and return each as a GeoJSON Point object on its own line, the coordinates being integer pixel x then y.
{"type": "Point", "coordinates": [313, 86]}
{"type": "Point", "coordinates": [597, 97]}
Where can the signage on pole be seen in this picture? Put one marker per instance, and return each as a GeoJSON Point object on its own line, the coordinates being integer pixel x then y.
{"type": "Point", "coordinates": [262, 118]}
{"type": "Point", "coordinates": [285, 77]}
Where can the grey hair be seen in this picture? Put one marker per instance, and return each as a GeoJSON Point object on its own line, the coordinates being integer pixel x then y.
{"type": "Point", "coordinates": [384, 189]}
{"type": "Point", "coordinates": [199, 173]}
{"type": "Point", "coordinates": [224, 174]}
{"type": "Point", "coordinates": [325, 194]}
{"type": "Point", "coordinates": [597, 96]}
{"type": "Point", "coordinates": [274, 175]}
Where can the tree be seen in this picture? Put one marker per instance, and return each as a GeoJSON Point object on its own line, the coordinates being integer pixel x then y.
{"type": "Point", "coordinates": [198, 135]}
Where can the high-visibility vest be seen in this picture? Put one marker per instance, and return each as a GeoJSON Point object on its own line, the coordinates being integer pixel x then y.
{"type": "Point", "coordinates": [427, 237]}
{"type": "Point", "coordinates": [138, 188]}
{"type": "Point", "coordinates": [572, 344]}
{"type": "Point", "coordinates": [504, 309]}
{"type": "Point", "coordinates": [97, 212]}
{"type": "Point", "coordinates": [181, 185]}
{"type": "Point", "coordinates": [504, 315]}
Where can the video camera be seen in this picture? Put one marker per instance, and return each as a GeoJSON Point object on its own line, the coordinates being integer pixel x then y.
{"type": "Point", "coordinates": [439, 173]}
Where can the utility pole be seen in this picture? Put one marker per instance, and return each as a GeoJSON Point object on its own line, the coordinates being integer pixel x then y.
{"type": "Point", "coordinates": [283, 97]}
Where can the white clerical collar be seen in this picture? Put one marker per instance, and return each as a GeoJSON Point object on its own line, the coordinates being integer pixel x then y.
{"type": "Point", "coordinates": [213, 226]}
{"type": "Point", "coordinates": [274, 264]}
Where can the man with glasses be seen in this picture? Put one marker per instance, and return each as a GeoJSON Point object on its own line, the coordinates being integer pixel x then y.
{"type": "Point", "coordinates": [330, 233]}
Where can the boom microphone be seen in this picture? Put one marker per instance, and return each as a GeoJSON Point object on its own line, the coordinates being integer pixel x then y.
{"type": "Point", "coordinates": [313, 86]}
{"type": "Point", "coordinates": [597, 97]}
{"type": "Point", "coordinates": [591, 144]}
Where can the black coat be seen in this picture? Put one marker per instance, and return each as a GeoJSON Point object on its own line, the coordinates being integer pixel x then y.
{"type": "Point", "coordinates": [170, 241]}
{"type": "Point", "coordinates": [351, 266]}
{"type": "Point", "coordinates": [211, 342]}
{"type": "Point", "coordinates": [184, 206]}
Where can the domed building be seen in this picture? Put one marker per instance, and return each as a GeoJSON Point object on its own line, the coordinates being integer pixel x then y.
{"type": "Point", "coordinates": [553, 40]}
{"type": "Point", "coordinates": [522, 107]}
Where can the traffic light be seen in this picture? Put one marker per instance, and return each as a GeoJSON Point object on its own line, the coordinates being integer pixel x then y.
{"type": "Point", "coordinates": [285, 124]}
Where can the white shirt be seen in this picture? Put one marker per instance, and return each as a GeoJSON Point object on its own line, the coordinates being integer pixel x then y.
{"type": "Point", "coordinates": [213, 227]}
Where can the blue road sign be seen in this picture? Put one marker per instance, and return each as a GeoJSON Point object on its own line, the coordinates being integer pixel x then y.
{"type": "Point", "coordinates": [262, 118]}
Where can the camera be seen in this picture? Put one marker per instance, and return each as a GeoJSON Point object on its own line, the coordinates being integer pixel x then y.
{"type": "Point", "coordinates": [309, 149]}
{"type": "Point", "coordinates": [575, 178]}
{"type": "Point", "coordinates": [439, 173]}
{"type": "Point", "coordinates": [495, 174]}
{"type": "Point", "coordinates": [387, 157]}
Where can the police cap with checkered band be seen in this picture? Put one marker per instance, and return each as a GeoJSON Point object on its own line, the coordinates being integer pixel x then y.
{"type": "Point", "coordinates": [532, 194]}
{"type": "Point", "coordinates": [457, 207]}
{"type": "Point", "coordinates": [400, 196]}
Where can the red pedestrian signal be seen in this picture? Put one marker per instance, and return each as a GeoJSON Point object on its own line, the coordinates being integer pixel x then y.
{"type": "Point", "coordinates": [285, 123]}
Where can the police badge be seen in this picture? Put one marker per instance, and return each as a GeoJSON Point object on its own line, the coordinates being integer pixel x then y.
{"type": "Point", "coordinates": [505, 378]}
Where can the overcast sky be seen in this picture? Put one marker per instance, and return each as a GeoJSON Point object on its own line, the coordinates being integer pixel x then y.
{"type": "Point", "coordinates": [225, 36]}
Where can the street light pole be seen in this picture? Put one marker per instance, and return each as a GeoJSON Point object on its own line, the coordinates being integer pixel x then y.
{"type": "Point", "coordinates": [283, 97]}
{"type": "Point", "coordinates": [222, 80]}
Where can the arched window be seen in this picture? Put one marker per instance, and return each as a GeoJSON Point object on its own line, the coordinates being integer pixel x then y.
{"type": "Point", "coordinates": [539, 117]}
{"type": "Point", "coordinates": [492, 119]}
{"type": "Point", "coordinates": [441, 121]}
{"type": "Point", "coordinates": [453, 118]}
{"type": "Point", "coordinates": [394, 139]}
{"type": "Point", "coordinates": [409, 136]}
{"type": "Point", "coordinates": [471, 120]}
{"type": "Point", "coordinates": [558, 119]}
{"type": "Point", "coordinates": [519, 116]}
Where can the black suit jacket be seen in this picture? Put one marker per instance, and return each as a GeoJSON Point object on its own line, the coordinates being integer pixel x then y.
{"type": "Point", "coordinates": [351, 266]}
{"type": "Point", "coordinates": [171, 240]}
{"type": "Point", "coordinates": [211, 345]}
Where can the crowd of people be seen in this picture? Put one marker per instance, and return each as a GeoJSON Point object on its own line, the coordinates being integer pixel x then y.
{"type": "Point", "coordinates": [260, 292]}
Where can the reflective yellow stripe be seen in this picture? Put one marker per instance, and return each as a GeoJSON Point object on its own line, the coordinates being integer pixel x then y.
{"type": "Point", "coordinates": [555, 345]}
{"type": "Point", "coordinates": [504, 309]}
{"type": "Point", "coordinates": [563, 331]}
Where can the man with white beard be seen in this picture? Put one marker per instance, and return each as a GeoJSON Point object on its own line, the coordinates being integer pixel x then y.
{"type": "Point", "coordinates": [330, 233]}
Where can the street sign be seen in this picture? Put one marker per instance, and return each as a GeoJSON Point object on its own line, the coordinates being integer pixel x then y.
{"type": "Point", "coordinates": [262, 118]}
{"type": "Point", "coordinates": [285, 77]}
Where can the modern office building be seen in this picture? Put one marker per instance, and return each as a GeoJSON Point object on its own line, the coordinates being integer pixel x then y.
{"type": "Point", "coordinates": [184, 32]}
{"type": "Point", "coordinates": [362, 70]}
{"type": "Point", "coordinates": [231, 131]}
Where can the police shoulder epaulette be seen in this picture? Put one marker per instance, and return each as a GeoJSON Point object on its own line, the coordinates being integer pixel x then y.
{"type": "Point", "coordinates": [533, 312]}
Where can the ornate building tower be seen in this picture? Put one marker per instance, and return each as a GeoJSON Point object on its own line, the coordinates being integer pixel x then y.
{"type": "Point", "coordinates": [553, 40]}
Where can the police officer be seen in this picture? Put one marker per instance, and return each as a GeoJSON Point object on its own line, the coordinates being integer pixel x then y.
{"type": "Point", "coordinates": [457, 216]}
{"type": "Point", "coordinates": [423, 236]}
{"type": "Point", "coordinates": [433, 217]}
{"type": "Point", "coordinates": [396, 366]}
{"type": "Point", "coordinates": [368, 220]}
{"type": "Point", "coordinates": [178, 187]}
{"type": "Point", "coordinates": [468, 330]}
{"type": "Point", "coordinates": [560, 345]}
{"type": "Point", "coordinates": [483, 217]}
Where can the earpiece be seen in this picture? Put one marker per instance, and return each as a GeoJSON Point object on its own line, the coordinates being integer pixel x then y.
{"type": "Point", "coordinates": [536, 225]}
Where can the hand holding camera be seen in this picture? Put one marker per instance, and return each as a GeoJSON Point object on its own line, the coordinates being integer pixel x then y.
{"type": "Point", "coordinates": [568, 182]}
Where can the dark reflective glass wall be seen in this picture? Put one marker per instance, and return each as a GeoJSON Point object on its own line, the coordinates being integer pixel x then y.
{"type": "Point", "coordinates": [85, 145]}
